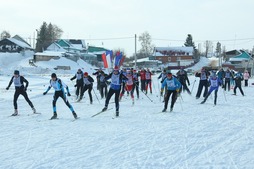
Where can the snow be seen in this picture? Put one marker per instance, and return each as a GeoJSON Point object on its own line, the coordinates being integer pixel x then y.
{"type": "Point", "coordinates": [193, 136]}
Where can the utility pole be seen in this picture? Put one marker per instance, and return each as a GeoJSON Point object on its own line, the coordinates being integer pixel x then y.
{"type": "Point", "coordinates": [135, 51]}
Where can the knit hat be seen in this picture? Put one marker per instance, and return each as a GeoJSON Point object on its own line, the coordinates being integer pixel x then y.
{"type": "Point", "coordinates": [53, 75]}
{"type": "Point", "coordinates": [16, 72]}
{"type": "Point", "coordinates": [85, 74]}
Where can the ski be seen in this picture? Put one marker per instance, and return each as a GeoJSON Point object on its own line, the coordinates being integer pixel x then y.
{"type": "Point", "coordinates": [37, 113]}
{"type": "Point", "coordinates": [54, 119]}
{"type": "Point", "coordinates": [75, 119]}
{"type": "Point", "coordinates": [100, 112]}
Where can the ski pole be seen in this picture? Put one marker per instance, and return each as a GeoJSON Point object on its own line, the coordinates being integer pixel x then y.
{"type": "Point", "coordinates": [96, 96]}
{"type": "Point", "coordinates": [224, 95]}
{"type": "Point", "coordinates": [146, 95]}
{"type": "Point", "coordinates": [193, 84]}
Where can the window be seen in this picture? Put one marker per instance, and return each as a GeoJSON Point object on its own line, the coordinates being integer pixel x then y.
{"type": "Point", "coordinates": [169, 59]}
{"type": "Point", "coordinates": [178, 58]}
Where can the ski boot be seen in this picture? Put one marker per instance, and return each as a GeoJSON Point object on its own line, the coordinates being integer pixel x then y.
{"type": "Point", "coordinates": [54, 116]}
{"type": "Point", "coordinates": [117, 113]}
{"type": "Point", "coordinates": [15, 112]}
{"type": "Point", "coordinates": [202, 102]}
{"type": "Point", "coordinates": [104, 109]}
{"type": "Point", "coordinates": [75, 115]}
{"type": "Point", "coordinates": [164, 110]}
{"type": "Point", "coordinates": [34, 110]}
{"type": "Point", "coordinates": [171, 109]}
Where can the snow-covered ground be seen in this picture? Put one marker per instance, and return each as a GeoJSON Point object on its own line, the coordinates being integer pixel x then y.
{"type": "Point", "coordinates": [193, 136]}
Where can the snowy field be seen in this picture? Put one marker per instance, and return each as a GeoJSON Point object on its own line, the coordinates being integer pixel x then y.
{"type": "Point", "coordinates": [193, 136]}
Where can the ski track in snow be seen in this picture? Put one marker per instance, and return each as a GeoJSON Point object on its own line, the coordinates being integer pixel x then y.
{"type": "Point", "coordinates": [193, 136]}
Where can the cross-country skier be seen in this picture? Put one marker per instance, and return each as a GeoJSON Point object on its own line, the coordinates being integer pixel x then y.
{"type": "Point", "coordinates": [99, 71]}
{"type": "Point", "coordinates": [115, 87]}
{"type": "Point", "coordinates": [203, 82]}
{"type": "Point", "coordinates": [20, 89]}
{"type": "Point", "coordinates": [143, 79]}
{"type": "Point", "coordinates": [246, 77]}
{"type": "Point", "coordinates": [214, 82]}
{"type": "Point", "coordinates": [136, 81]}
{"type": "Point", "coordinates": [79, 82]}
{"type": "Point", "coordinates": [88, 85]}
{"type": "Point", "coordinates": [129, 85]}
{"type": "Point", "coordinates": [148, 80]}
{"type": "Point", "coordinates": [228, 77]}
{"type": "Point", "coordinates": [103, 85]}
{"type": "Point", "coordinates": [59, 86]}
{"type": "Point", "coordinates": [173, 87]}
{"type": "Point", "coordinates": [238, 82]}
{"type": "Point", "coordinates": [183, 79]}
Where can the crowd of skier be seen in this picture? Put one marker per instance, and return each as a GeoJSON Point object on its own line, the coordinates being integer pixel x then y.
{"type": "Point", "coordinates": [128, 81]}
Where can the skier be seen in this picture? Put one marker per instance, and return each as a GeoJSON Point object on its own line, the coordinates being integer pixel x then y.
{"type": "Point", "coordinates": [143, 79]}
{"type": "Point", "coordinates": [129, 85]}
{"type": "Point", "coordinates": [183, 78]}
{"type": "Point", "coordinates": [103, 85]}
{"type": "Point", "coordinates": [214, 82]}
{"type": "Point", "coordinates": [238, 82]}
{"type": "Point", "coordinates": [19, 89]}
{"type": "Point", "coordinates": [79, 82]}
{"type": "Point", "coordinates": [203, 82]}
{"type": "Point", "coordinates": [124, 72]}
{"type": "Point", "coordinates": [115, 87]}
{"type": "Point", "coordinates": [136, 81]}
{"type": "Point", "coordinates": [221, 74]}
{"type": "Point", "coordinates": [59, 86]}
{"type": "Point", "coordinates": [246, 77]}
{"type": "Point", "coordinates": [88, 85]}
{"type": "Point", "coordinates": [97, 75]}
{"type": "Point", "coordinates": [228, 76]}
{"type": "Point", "coordinates": [173, 87]}
{"type": "Point", "coordinates": [148, 75]}
{"type": "Point", "coordinates": [163, 76]}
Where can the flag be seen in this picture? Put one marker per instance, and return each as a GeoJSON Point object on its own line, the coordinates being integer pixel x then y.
{"type": "Point", "coordinates": [118, 59]}
{"type": "Point", "coordinates": [107, 59]}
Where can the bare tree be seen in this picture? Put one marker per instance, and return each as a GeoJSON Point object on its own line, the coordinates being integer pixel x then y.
{"type": "Point", "coordinates": [146, 44]}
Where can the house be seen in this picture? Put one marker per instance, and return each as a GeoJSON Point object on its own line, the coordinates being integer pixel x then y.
{"type": "Point", "coordinates": [239, 60]}
{"type": "Point", "coordinates": [14, 44]}
{"type": "Point", "coordinates": [68, 45]}
{"type": "Point", "coordinates": [146, 63]}
{"type": "Point", "coordinates": [98, 51]}
{"type": "Point", "coordinates": [174, 56]}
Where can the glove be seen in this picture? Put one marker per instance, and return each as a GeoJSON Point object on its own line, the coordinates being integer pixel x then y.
{"type": "Point", "coordinates": [188, 84]}
{"type": "Point", "coordinates": [162, 92]}
{"type": "Point", "coordinates": [75, 85]}
{"type": "Point", "coordinates": [177, 90]}
{"type": "Point", "coordinates": [44, 93]}
{"type": "Point", "coordinates": [68, 94]}
{"type": "Point", "coordinates": [7, 88]}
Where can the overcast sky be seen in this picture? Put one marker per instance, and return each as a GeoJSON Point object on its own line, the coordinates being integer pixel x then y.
{"type": "Point", "coordinates": [113, 23]}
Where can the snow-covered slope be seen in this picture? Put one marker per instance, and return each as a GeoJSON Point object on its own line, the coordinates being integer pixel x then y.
{"type": "Point", "coordinates": [10, 62]}
{"type": "Point", "coordinates": [193, 136]}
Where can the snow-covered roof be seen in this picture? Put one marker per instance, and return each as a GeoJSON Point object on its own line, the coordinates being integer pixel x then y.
{"type": "Point", "coordinates": [188, 49]}
{"type": "Point", "coordinates": [146, 60]}
{"type": "Point", "coordinates": [20, 43]}
{"type": "Point", "coordinates": [49, 53]}
{"type": "Point", "coordinates": [237, 59]}
{"type": "Point", "coordinates": [162, 51]}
